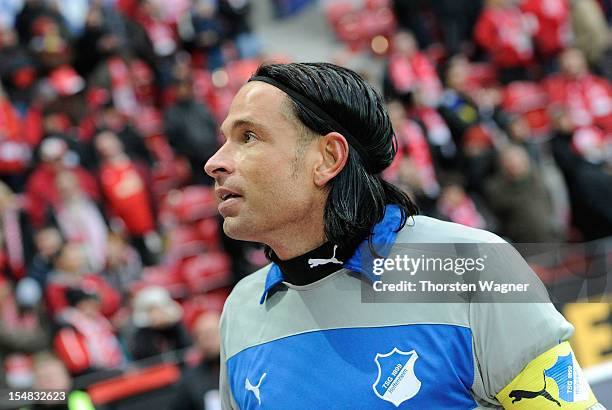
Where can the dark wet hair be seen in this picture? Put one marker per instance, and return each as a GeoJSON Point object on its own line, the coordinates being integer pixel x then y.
{"type": "Point", "coordinates": [358, 194]}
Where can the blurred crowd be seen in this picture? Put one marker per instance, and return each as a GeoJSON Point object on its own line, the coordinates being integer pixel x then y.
{"type": "Point", "coordinates": [503, 111]}
{"type": "Point", "coordinates": [110, 252]}
{"type": "Point", "coordinates": [110, 245]}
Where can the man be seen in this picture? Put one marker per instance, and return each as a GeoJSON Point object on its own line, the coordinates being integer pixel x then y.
{"type": "Point", "coordinates": [299, 172]}
{"type": "Point", "coordinates": [584, 97]}
{"type": "Point", "coordinates": [520, 199]}
{"type": "Point", "coordinates": [191, 128]}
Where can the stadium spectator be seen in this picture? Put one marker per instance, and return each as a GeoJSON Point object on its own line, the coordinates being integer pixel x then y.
{"type": "Point", "coordinates": [554, 32]}
{"type": "Point", "coordinates": [37, 20]}
{"type": "Point", "coordinates": [519, 199]}
{"type": "Point", "coordinates": [123, 264]}
{"type": "Point", "coordinates": [478, 155]}
{"type": "Point", "coordinates": [457, 206]}
{"type": "Point", "coordinates": [408, 69]}
{"type": "Point", "coordinates": [86, 341]}
{"type": "Point", "coordinates": [13, 59]}
{"type": "Point", "coordinates": [41, 189]}
{"type": "Point", "coordinates": [114, 74]}
{"type": "Point", "coordinates": [199, 384]}
{"type": "Point", "coordinates": [506, 34]}
{"type": "Point", "coordinates": [16, 144]}
{"type": "Point", "coordinates": [50, 373]}
{"type": "Point", "coordinates": [585, 161]}
{"type": "Point", "coordinates": [585, 97]}
{"type": "Point", "coordinates": [127, 197]}
{"type": "Point", "coordinates": [70, 272]}
{"type": "Point", "coordinates": [462, 104]}
{"type": "Point", "coordinates": [64, 94]}
{"type": "Point", "coordinates": [15, 235]}
{"type": "Point", "coordinates": [455, 19]}
{"type": "Point", "coordinates": [80, 220]}
{"type": "Point", "coordinates": [473, 116]}
{"type": "Point", "coordinates": [110, 119]}
{"type": "Point", "coordinates": [202, 30]}
{"type": "Point", "coordinates": [21, 329]}
{"type": "Point", "coordinates": [234, 15]}
{"type": "Point", "coordinates": [191, 129]}
{"type": "Point", "coordinates": [409, 16]}
{"type": "Point", "coordinates": [150, 15]}
{"type": "Point", "coordinates": [413, 147]}
{"type": "Point", "coordinates": [159, 327]}
{"type": "Point", "coordinates": [48, 242]}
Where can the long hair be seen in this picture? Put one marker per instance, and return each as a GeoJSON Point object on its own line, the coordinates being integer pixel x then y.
{"type": "Point", "coordinates": [358, 194]}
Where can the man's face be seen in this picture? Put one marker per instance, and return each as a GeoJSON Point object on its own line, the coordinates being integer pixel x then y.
{"type": "Point", "coordinates": [51, 374]}
{"type": "Point", "coordinates": [573, 63]}
{"type": "Point", "coordinates": [108, 144]}
{"type": "Point", "coordinates": [268, 180]}
{"type": "Point", "coordinates": [206, 334]}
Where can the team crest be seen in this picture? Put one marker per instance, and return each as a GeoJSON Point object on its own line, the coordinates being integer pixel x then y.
{"type": "Point", "coordinates": [396, 381]}
{"type": "Point", "coordinates": [572, 385]}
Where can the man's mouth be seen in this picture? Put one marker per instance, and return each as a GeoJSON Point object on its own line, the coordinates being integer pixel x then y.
{"type": "Point", "coordinates": [225, 194]}
{"type": "Point", "coordinates": [228, 200]}
{"type": "Point", "coordinates": [229, 196]}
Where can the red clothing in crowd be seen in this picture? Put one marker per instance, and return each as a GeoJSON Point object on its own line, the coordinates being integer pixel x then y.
{"type": "Point", "coordinates": [42, 192]}
{"type": "Point", "coordinates": [587, 100]}
{"type": "Point", "coordinates": [506, 34]}
{"type": "Point", "coordinates": [16, 139]}
{"type": "Point", "coordinates": [464, 212]}
{"type": "Point", "coordinates": [408, 73]}
{"type": "Point", "coordinates": [9, 121]}
{"type": "Point", "coordinates": [87, 342]}
{"type": "Point", "coordinates": [163, 35]}
{"type": "Point", "coordinates": [413, 144]}
{"type": "Point", "coordinates": [126, 193]}
{"type": "Point", "coordinates": [553, 17]}
{"type": "Point", "coordinates": [110, 299]}
{"type": "Point", "coordinates": [122, 89]}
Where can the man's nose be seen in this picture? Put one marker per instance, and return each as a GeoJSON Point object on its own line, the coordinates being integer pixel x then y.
{"type": "Point", "coordinates": [220, 162]}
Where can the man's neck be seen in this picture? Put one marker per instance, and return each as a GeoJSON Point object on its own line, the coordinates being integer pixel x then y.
{"type": "Point", "coordinates": [298, 243]}
{"type": "Point", "coordinates": [300, 237]}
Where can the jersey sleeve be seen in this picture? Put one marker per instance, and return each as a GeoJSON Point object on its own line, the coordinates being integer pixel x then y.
{"type": "Point", "coordinates": [508, 336]}
{"type": "Point", "coordinates": [225, 391]}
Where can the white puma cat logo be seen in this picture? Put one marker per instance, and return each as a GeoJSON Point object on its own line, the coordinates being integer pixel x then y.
{"type": "Point", "coordinates": [316, 262]}
{"type": "Point", "coordinates": [254, 389]}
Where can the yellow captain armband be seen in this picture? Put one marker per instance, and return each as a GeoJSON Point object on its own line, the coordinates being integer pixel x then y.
{"type": "Point", "coordinates": [553, 380]}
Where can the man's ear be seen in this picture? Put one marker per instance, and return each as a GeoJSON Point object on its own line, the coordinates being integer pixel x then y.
{"type": "Point", "coordinates": [334, 151]}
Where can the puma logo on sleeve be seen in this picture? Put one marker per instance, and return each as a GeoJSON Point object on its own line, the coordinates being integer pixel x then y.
{"type": "Point", "coordinates": [517, 395]}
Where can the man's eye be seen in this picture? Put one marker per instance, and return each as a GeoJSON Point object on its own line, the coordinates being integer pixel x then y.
{"type": "Point", "coordinates": [249, 137]}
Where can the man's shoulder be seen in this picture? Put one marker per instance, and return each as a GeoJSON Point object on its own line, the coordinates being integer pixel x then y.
{"type": "Point", "coordinates": [425, 229]}
{"type": "Point", "coordinates": [249, 288]}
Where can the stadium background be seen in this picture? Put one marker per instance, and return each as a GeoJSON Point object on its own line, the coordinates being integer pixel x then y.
{"type": "Point", "coordinates": [113, 266]}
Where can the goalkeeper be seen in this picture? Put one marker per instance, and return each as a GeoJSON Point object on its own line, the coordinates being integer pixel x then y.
{"type": "Point", "coordinates": [299, 171]}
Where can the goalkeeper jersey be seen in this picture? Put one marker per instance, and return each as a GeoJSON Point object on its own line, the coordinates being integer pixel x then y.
{"type": "Point", "coordinates": [320, 345]}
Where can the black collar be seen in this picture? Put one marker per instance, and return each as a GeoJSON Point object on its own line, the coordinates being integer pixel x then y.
{"type": "Point", "coordinates": [315, 264]}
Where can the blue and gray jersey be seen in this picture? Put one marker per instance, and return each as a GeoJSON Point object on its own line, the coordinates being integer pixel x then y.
{"type": "Point", "coordinates": [321, 346]}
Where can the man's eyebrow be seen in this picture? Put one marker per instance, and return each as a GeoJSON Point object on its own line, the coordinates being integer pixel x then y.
{"type": "Point", "coordinates": [243, 122]}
